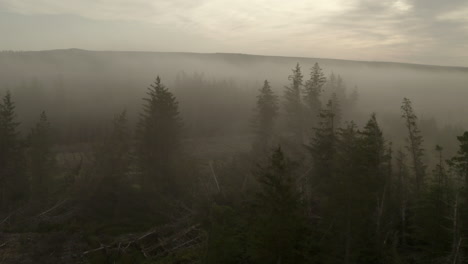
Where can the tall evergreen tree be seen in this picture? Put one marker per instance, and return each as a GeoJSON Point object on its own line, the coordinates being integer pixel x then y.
{"type": "Point", "coordinates": [159, 133]}
{"type": "Point", "coordinates": [415, 143]}
{"type": "Point", "coordinates": [278, 230]}
{"type": "Point", "coordinates": [41, 159]}
{"type": "Point", "coordinates": [340, 89]}
{"type": "Point", "coordinates": [323, 147]}
{"type": "Point", "coordinates": [459, 217]}
{"type": "Point", "coordinates": [433, 230]}
{"type": "Point", "coordinates": [265, 116]}
{"type": "Point", "coordinates": [336, 109]}
{"type": "Point", "coordinates": [312, 92]}
{"type": "Point", "coordinates": [343, 194]}
{"type": "Point", "coordinates": [460, 161]}
{"type": "Point", "coordinates": [350, 107]}
{"type": "Point", "coordinates": [293, 104]}
{"type": "Point", "coordinates": [353, 98]}
{"type": "Point", "coordinates": [13, 181]}
{"type": "Point", "coordinates": [402, 194]}
{"type": "Point", "coordinates": [112, 164]}
{"type": "Point", "coordinates": [113, 157]}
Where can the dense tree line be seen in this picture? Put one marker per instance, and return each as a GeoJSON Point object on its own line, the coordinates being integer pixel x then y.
{"type": "Point", "coordinates": [315, 187]}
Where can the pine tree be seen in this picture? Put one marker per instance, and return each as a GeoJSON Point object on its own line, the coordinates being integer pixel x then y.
{"type": "Point", "coordinates": [353, 98]}
{"type": "Point", "coordinates": [415, 143]}
{"type": "Point", "coordinates": [113, 157]}
{"type": "Point", "coordinates": [159, 133]}
{"type": "Point", "coordinates": [293, 104]}
{"type": "Point", "coordinates": [374, 158]}
{"type": "Point", "coordinates": [346, 201]}
{"type": "Point", "coordinates": [412, 215]}
{"type": "Point", "coordinates": [433, 230]}
{"type": "Point", "coordinates": [340, 90]}
{"type": "Point", "coordinates": [459, 217]}
{"type": "Point", "coordinates": [278, 230]}
{"type": "Point", "coordinates": [354, 195]}
{"type": "Point", "coordinates": [112, 163]}
{"type": "Point", "coordinates": [345, 193]}
{"type": "Point", "coordinates": [402, 197]}
{"type": "Point", "coordinates": [265, 116]}
{"type": "Point", "coordinates": [376, 189]}
{"type": "Point", "coordinates": [335, 106]}
{"type": "Point", "coordinates": [323, 147]}
{"type": "Point", "coordinates": [350, 109]}
{"type": "Point", "coordinates": [312, 92]}
{"type": "Point", "coordinates": [41, 159]}
{"type": "Point", "coordinates": [460, 161]}
{"type": "Point", "coordinates": [331, 83]}
{"type": "Point", "coordinates": [373, 145]}
{"type": "Point", "coordinates": [13, 181]}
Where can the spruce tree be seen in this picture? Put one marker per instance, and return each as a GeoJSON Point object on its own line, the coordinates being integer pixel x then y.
{"type": "Point", "coordinates": [312, 92]}
{"type": "Point", "coordinates": [347, 187]}
{"type": "Point", "coordinates": [376, 190]}
{"type": "Point", "coordinates": [335, 106]}
{"type": "Point", "coordinates": [415, 143]}
{"type": "Point", "coordinates": [293, 104]}
{"type": "Point", "coordinates": [340, 90]}
{"type": "Point", "coordinates": [323, 147]}
{"type": "Point", "coordinates": [278, 229]}
{"type": "Point", "coordinates": [460, 162]}
{"type": "Point", "coordinates": [266, 112]}
{"type": "Point", "coordinates": [41, 159]}
{"type": "Point", "coordinates": [13, 181]}
{"type": "Point", "coordinates": [350, 108]}
{"type": "Point", "coordinates": [353, 98]}
{"type": "Point", "coordinates": [113, 157]}
{"type": "Point", "coordinates": [459, 217]}
{"type": "Point", "coordinates": [158, 136]}
{"type": "Point", "coordinates": [402, 193]}
{"type": "Point", "coordinates": [112, 164]}
{"type": "Point", "coordinates": [433, 230]}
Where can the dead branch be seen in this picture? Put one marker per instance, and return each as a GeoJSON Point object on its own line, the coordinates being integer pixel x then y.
{"type": "Point", "coordinates": [52, 208]}
{"type": "Point", "coordinates": [214, 175]}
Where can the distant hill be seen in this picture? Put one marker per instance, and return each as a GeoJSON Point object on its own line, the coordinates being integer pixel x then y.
{"type": "Point", "coordinates": [438, 91]}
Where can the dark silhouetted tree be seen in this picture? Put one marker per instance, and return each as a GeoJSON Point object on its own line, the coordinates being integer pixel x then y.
{"type": "Point", "coordinates": [111, 183]}
{"type": "Point", "coordinates": [278, 227]}
{"type": "Point", "coordinates": [158, 136]}
{"type": "Point", "coordinates": [293, 104]}
{"type": "Point", "coordinates": [266, 112]}
{"type": "Point", "coordinates": [323, 148]}
{"type": "Point", "coordinates": [459, 217]}
{"type": "Point", "coordinates": [13, 180]}
{"type": "Point", "coordinates": [312, 92]}
{"type": "Point", "coordinates": [415, 143]}
{"type": "Point", "coordinates": [41, 159]}
{"type": "Point", "coordinates": [335, 107]}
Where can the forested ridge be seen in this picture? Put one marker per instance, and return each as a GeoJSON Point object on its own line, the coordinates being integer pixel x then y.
{"type": "Point", "coordinates": [313, 178]}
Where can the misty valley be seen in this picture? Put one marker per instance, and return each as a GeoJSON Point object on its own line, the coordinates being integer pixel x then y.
{"type": "Point", "coordinates": [167, 157]}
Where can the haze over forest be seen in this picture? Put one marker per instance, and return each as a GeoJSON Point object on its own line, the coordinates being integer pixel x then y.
{"type": "Point", "coordinates": [124, 150]}
{"type": "Point", "coordinates": [126, 75]}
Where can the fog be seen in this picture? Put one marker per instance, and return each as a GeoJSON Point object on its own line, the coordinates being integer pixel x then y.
{"type": "Point", "coordinates": [113, 171]}
{"type": "Point", "coordinates": [101, 83]}
{"type": "Point", "coordinates": [216, 92]}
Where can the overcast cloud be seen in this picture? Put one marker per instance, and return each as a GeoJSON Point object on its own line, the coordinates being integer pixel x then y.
{"type": "Point", "coordinates": [417, 31]}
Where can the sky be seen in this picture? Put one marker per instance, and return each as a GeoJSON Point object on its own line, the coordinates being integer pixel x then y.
{"type": "Point", "coordinates": [414, 31]}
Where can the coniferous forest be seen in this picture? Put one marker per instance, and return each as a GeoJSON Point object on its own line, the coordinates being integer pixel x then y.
{"type": "Point", "coordinates": [195, 169]}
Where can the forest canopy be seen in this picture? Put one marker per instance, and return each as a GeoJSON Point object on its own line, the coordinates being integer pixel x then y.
{"type": "Point", "coordinates": [103, 165]}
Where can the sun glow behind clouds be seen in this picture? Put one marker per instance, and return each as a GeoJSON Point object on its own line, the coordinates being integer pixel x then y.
{"type": "Point", "coordinates": [171, 11]}
{"type": "Point", "coordinates": [350, 29]}
{"type": "Point", "coordinates": [402, 6]}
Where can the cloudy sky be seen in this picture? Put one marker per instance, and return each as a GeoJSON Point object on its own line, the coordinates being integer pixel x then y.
{"type": "Point", "coordinates": [417, 31]}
